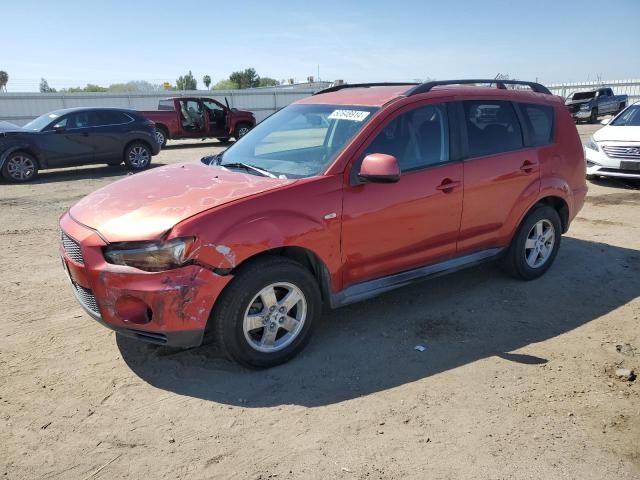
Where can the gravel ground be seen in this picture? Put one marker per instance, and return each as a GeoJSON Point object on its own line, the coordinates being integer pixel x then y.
{"type": "Point", "coordinates": [518, 380]}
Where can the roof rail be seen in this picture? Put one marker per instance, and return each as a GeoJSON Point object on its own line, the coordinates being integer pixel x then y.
{"type": "Point", "coordinates": [363, 85]}
{"type": "Point", "coordinates": [426, 87]}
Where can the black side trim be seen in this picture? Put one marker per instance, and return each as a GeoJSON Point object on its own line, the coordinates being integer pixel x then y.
{"type": "Point", "coordinates": [372, 288]}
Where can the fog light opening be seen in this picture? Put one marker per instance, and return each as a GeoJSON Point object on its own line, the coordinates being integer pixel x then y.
{"type": "Point", "coordinates": [133, 310]}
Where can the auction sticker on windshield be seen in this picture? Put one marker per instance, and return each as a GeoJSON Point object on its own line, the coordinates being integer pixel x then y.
{"type": "Point", "coordinates": [353, 115]}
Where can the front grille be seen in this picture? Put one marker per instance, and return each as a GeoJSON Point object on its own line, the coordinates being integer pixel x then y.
{"type": "Point", "coordinates": [574, 108]}
{"type": "Point", "coordinates": [628, 152]}
{"type": "Point", "coordinates": [71, 247]}
{"type": "Point", "coordinates": [620, 170]}
{"type": "Point", "coordinates": [86, 298]}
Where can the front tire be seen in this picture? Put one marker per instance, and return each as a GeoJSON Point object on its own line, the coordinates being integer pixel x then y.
{"type": "Point", "coordinates": [137, 156]}
{"type": "Point", "coordinates": [535, 245]}
{"type": "Point", "coordinates": [20, 167]}
{"type": "Point", "coordinates": [593, 118]}
{"type": "Point", "coordinates": [267, 313]}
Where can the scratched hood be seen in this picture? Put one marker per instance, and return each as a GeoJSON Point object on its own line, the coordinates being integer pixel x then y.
{"type": "Point", "coordinates": [145, 205]}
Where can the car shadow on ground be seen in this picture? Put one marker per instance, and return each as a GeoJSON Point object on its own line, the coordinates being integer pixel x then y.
{"type": "Point", "coordinates": [182, 146]}
{"type": "Point", "coordinates": [77, 173]}
{"type": "Point", "coordinates": [369, 347]}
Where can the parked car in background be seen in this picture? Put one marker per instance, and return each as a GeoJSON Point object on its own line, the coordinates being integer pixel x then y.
{"type": "Point", "coordinates": [197, 117]}
{"type": "Point", "coordinates": [594, 103]}
{"type": "Point", "coordinates": [339, 197]}
{"type": "Point", "coordinates": [614, 151]}
{"type": "Point", "coordinates": [77, 136]}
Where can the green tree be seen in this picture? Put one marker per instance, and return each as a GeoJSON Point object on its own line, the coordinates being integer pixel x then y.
{"type": "Point", "coordinates": [207, 81]}
{"type": "Point", "coordinates": [225, 85]}
{"type": "Point", "coordinates": [89, 88]}
{"type": "Point", "coordinates": [135, 86]}
{"type": "Point", "coordinates": [45, 88]}
{"type": "Point", "coordinates": [247, 78]}
{"type": "Point", "coordinates": [268, 82]}
{"type": "Point", "coordinates": [4, 79]}
{"type": "Point", "coordinates": [187, 82]}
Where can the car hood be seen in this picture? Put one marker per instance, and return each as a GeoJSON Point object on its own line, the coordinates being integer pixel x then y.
{"type": "Point", "coordinates": [6, 127]}
{"type": "Point", "coordinates": [146, 205]}
{"type": "Point", "coordinates": [617, 134]}
{"type": "Point", "coordinates": [578, 102]}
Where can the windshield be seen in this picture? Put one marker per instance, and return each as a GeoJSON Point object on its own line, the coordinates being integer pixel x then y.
{"type": "Point", "coordinates": [583, 95]}
{"type": "Point", "coordinates": [37, 124]}
{"type": "Point", "coordinates": [300, 140]}
{"type": "Point", "coordinates": [629, 118]}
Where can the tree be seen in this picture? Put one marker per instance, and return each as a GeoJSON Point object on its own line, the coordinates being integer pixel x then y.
{"type": "Point", "coordinates": [225, 85]}
{"type": "Point", "coordinates": [207, 81]}
{"type": "Point", "coordinates": [89, 88]}
{"type": "Point", "coordinates": [268, 82]}
{"type": "Point", "coordinates": [45, 88]}
{"type": "Point", "coordinates": [135, 86]}
{"type": "Point", "coordinates": [4, 79]}
{"type": "Point", "coordinates": [245, 79]}
{"type": "Point", "coordinates": [187, 82]}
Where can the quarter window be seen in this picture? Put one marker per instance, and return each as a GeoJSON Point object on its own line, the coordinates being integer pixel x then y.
{"type": "Point", "coordinates": [418, 138]}
{"type": "Point", "coordinates": [540, 118]}
{"type": "Point", "coordinates": [492, 127]}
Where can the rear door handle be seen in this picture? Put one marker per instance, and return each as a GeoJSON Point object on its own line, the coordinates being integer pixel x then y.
{"type": "Point", "coordinates": [448, 185]}
{"type": "Point", "coordinates": [528, 167]}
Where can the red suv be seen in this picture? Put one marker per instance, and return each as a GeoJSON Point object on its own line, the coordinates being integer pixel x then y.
{"type": "Point", "coordinates": [344, 195]}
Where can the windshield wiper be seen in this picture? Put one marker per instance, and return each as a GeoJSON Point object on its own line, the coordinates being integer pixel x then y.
{"type": "Point", "coordinates": [247, 166]}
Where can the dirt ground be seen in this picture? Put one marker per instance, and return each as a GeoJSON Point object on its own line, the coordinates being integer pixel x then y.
{"type": "Point", "coordinates": [517, 380]}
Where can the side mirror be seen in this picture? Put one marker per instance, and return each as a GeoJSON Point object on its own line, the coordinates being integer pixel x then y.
{"type": "Point", "coordinates": [379, 168]}
{"type": "Point", "coordinates": [58, 128]}
{"type": "Point", "coordinates": [605, 121]}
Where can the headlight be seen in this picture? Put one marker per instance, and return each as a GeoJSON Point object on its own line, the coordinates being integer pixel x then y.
{"type": "Point", "coordinates": [585, 106]}
{"type": "Point", "coordinates": [151, 256]}
{"type": "Point", "coordinates": [592, 145]}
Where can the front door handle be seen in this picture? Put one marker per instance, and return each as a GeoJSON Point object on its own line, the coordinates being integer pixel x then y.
{"type": "Point", "coordinates": [448, 185]}
{"type": "Point", "coordinates": [528, 167]}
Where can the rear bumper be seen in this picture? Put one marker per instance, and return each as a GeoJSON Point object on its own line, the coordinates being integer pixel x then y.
{"type": "Point", "coordinates": [167, 308]}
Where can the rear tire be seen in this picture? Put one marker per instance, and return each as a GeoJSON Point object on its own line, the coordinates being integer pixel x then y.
{"type": "Point", "coordinates": [252, 321]}
{"type": "Point", "coordinates": [241, 130]}
{"type": "Point", "coordinates": [137, 156]}
{"type": "Point", "coordinates": [621, 107]}
{"type": "Point", "coordinates": [161, 136]}
{"type": "Point", "coordinates": [535, 245]}
{"type": "Point", "coordinates": [20, 167]}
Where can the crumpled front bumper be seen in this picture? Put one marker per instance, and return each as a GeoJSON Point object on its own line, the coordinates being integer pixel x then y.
{"type": "Point", "coordinates": [168, 308]}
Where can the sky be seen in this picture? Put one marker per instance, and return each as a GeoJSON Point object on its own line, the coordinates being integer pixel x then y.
{"type": "Point", "coordinates": [72, 43]}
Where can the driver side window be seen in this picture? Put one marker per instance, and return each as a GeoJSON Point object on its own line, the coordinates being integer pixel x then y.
{"type": "Point", "coordinates": [418, 138]}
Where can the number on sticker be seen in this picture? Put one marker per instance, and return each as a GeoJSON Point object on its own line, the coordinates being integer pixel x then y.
{"type": "Point", "coordinates": [353, 115]}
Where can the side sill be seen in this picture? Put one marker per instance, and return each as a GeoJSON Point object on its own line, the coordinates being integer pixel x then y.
{"type": "Point", "coordinates": [373, 288]}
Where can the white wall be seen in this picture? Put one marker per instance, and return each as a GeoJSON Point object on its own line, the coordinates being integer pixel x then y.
{"type": "Point", "coordinates": [19, 108]}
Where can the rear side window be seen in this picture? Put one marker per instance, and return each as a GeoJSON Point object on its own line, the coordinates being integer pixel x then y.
{"type": "Point", "coordinates": [166, 105]}
{"type": "Point", "coordinates": [492, 127]}
{"type": "Point", "coordinates": [540, 118]}
{"type": "Point", "coordinates": [112, 117]}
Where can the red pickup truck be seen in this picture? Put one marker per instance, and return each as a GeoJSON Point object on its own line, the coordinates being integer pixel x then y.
{"type": "Point", "coordinates": [196, 117]}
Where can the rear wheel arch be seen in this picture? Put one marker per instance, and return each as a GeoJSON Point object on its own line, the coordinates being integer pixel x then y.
{"type": "Point", "coordinates": [559, 205]}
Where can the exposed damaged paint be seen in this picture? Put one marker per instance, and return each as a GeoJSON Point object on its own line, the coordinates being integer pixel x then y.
{"type": "Point", "coordinates": [228, 254]}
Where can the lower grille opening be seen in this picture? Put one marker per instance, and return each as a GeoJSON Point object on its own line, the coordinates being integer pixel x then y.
{"type": "Point", "coordinates": [86, 298]}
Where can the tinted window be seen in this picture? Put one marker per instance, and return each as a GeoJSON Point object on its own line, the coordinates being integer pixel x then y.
{"type": "Point", "coordinates": [492, 127]}
{"type": "Point", "coordinates": [540, 119]}
{"type": "Point", "coordinates": [112, 117]}
{"type": "Point", "coordinates": [165, 105]}
{"type": "Point", "coordinates": [81, 120]}
{"type": "Point", "coordinates": [418, 139]}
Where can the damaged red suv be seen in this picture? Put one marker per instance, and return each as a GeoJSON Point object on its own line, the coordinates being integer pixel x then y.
{"type": "Point", "coordinates": [344, 195]}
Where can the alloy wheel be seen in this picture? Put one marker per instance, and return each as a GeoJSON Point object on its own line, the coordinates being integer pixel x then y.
{"type": "Point", "coordinates": [540, 243]}
{"type": "Point", "coordinates": [139, 156]}
{"type": "Point", "coordinates": [21, 167]}
{"type": "Point", "coordinates": [274, 317]}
